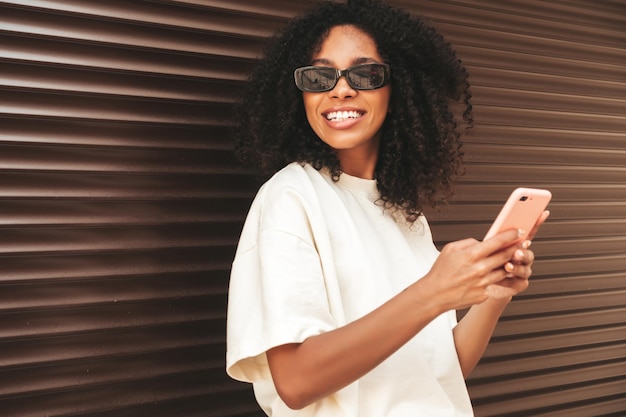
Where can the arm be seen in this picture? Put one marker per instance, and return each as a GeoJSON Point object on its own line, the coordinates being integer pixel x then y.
{"type": "Point", "coordinates": [472, 334]}
{"type": "Point", "coordinates": [306, 372]}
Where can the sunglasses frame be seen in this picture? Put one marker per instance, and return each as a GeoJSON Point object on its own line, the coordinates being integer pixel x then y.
{"type": "Point", "coordinates": [343, 73]}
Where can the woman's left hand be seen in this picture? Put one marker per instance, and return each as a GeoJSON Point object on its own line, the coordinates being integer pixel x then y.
{"type": "Point", "coordinates": [519, 268]}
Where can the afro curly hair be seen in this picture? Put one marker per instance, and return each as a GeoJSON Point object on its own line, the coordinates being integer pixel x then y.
{"type": "Point", "coordinates": [420, 150]}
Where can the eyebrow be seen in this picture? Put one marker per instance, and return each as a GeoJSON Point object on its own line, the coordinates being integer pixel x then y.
{"type": "Point", "coordinates": [356, 61]}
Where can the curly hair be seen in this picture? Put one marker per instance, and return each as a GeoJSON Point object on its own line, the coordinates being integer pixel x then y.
{"type": "Point", "coordinates": [420, 151]}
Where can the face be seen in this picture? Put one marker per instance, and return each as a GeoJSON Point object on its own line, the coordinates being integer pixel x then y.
{"type": "Point", "coordinates": [356, 138]}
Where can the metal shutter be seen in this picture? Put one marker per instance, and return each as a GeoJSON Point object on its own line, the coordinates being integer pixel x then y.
{"type": "Point", "coordinates": [120, 205]}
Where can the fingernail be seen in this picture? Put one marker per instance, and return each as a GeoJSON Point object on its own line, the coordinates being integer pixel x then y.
{"type": "Point", "coordinates": [508, 267]}
{"type": "Point", "coordinates": [519, 254]}
{"type": "Point", "coordinates": [521, 232]}
{"type": "Point", "coordinates": [527, 244]}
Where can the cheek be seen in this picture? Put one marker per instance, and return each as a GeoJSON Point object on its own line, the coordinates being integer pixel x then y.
{"type": "Point", "coordinates": [382, 107]}
{"type": "Point", "coordinates": [386, 100]}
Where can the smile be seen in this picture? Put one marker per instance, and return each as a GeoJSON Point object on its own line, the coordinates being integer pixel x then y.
{"type": "Point", "coordinates": [340, 116]}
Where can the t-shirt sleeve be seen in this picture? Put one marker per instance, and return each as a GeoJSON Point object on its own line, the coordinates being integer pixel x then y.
{"type": "Point", "coordinates": [277, 293]}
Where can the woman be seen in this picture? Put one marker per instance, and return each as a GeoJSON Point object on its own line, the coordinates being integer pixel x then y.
{"type": "Point", "coordinates": [339, 302]}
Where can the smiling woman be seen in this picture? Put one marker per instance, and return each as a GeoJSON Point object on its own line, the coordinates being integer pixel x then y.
{"type": "Point", "coordinates": [339, 302]}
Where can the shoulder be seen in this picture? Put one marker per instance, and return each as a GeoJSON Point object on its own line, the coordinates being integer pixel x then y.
{"type": "Point", "coordinates": [294, 174]}
{"type": "Point", "coordinates": [296, 180]}
{"type": "Point", "coordinates": [290, 199]}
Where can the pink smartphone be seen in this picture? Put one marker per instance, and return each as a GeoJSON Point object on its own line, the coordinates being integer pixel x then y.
{"type": "Point", "coordinates": [521, 211]}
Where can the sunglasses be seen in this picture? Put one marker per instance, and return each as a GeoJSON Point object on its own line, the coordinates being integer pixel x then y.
{"type": "Point", "coordinates": [360, 77]}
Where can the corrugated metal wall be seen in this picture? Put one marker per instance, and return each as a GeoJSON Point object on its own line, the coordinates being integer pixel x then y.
{"type": "Point", "coordinates": [116, 220]}
{"type": "Point", "coordinates": [120, 204]}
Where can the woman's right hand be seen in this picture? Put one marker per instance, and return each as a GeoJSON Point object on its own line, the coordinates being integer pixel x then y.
{"type": "Point", "coordinates": [464, 270]}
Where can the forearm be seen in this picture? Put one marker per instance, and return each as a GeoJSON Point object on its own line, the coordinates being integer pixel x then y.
{"type": "Point", "coordinates": [323, 364]}
{"type": "Point", "coordinates": [473, 332]}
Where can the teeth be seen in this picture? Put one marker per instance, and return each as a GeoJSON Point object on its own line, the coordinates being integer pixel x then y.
{"type": "Point", "coordinates": [339, 116]}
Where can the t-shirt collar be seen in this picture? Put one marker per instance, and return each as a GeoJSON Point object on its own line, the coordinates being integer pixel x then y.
{"type": "Point", "coordinates": [357, 184]}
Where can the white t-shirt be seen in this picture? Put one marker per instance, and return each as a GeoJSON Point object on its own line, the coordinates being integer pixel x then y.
{"type": "Point", "coordinates": [315, 255]}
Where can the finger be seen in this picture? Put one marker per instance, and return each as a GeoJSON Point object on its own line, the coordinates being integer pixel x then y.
{"type": "Point", "coordinates": [523, 257]}
{"type": "Point", "coordinates": [500, 241]}
{"type": "Point", "coordinates": [499, 250]}
{"type": "Point", "coordinates": [518, 269]}
{"type": "Point", "coordinates": [462, 244]}
{"type": "Point", "coordinates": [513, 285]}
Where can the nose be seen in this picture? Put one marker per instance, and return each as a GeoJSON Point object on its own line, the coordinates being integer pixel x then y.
{"type": "Point", "coordinates": [342, 89]}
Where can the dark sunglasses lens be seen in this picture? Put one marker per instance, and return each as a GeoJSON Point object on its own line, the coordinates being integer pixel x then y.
{"type": "Point", "coordinates": [367, 77]}
{"type": "Point", "coordinates": [316, 79]}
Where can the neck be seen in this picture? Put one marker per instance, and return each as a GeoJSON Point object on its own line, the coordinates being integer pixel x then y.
{"type": "Point", "coordinates": [360, 161]}
{"type": "Point", "coordinates": [359, 168]}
